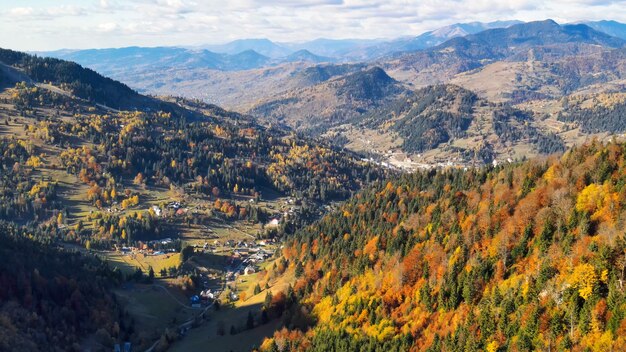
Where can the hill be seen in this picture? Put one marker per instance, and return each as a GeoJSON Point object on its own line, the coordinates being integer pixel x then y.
{"type": "Point", "coordinates": [535, 78]}
{"type": "Point", "coordinates": [81, 82]}
{"type": "Point", "coordinates": [448, 114]}
{"type": "Point", "coordinates": [139, 189]}
{"type": "Point", "coordinates": [522, 257]}
{"type": "Point", "coordinates": [331, 102]}
{"type": "Point", "coordinates": [306, 56]}
{"type": "Point", "coordinates": [125, 61]}
{"type": "Point", "coordinates": [264, 47]}
{"type": "Point", "coordinates": [51, 297]}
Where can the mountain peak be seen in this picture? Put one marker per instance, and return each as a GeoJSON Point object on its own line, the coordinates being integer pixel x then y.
{"type": "Point", "coordinates": [373, 83]}
{"type": "Point", "coordinates": [306, 56]}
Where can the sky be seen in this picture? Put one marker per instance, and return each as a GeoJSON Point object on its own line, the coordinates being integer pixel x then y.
{"type": "Point", "coordinates": [38, 25]}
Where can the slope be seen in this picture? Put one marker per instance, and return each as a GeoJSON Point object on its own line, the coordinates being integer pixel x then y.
{"type": "Point", "coordinates": [331, 102]}
{"type": "Point", "coordinates": [85, 178]}
{"type": "Point", "coordinates": [523, 257]}
{"type": "Point", "coordinates": [547, 39]}
{"type": "Point", "coordinates": [79, 81]}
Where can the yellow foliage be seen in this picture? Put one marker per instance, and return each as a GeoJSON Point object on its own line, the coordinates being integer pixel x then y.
{"type": "Point", "coordinates": [40, 186]}
{"type": "Point", "coordinates": [455, 257]}
{"type": "Point", "coordinates": [584, 278]}
{"type": "Point", "coordinates": [549, 174]}
{"type": "Point", "coordinates": [492, 346]}
{"type": "Point", "coordinates": [604, 276]}
{"type": "Point", "coordinates": [33, 161]}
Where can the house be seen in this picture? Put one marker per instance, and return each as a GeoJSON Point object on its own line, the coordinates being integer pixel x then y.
{"type": "Point", "coordinates": [249, 270]}
{"type": "Point", "coordinates": [273, 223]}
{"type": "Point", "coordinates": [157, 210]}
{"type": "Point", "coordinates": [207, 294]}
{"type": "Point", "coordinates": [174, 205]}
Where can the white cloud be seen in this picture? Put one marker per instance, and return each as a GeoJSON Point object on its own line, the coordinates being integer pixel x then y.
{"type": "Point", "coordinates": [21, 11]}
{"type": "Point", "coordinates": [107, 27]}
{"type": "Point", "coordinates": [105, 23]}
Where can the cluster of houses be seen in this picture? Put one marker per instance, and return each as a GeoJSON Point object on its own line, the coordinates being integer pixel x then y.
{"type": "Point", "coordinates": [175, 207]}
{"type": "Point", "coordinates": [154, 247]}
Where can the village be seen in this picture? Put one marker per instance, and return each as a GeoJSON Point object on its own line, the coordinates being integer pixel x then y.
{"type": "Point", "coordinates": [226, 258]}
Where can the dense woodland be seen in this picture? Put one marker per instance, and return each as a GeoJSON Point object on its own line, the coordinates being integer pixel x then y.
{"type": "Point", "coordinates": [24, 197]}
{"type": "Point", "coordinates": [51, 299]}
{"type": "Point", "coordinates": [437, 114]}
{"type": "Point", "coordinates": [219, 156]}
{"type": "Point", "coordinates": [605, 115]}
{"type": "Point", "coordinates": [523, 257]}
{"type": "Point", "coordinates": [82, 82]}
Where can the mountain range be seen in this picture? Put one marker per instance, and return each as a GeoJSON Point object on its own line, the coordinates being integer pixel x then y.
{"type": "Point", "coordinates": [320, 96]}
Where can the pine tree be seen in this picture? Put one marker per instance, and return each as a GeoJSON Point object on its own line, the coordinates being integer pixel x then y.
{"type": "Point", "coordinates": [250, 321]}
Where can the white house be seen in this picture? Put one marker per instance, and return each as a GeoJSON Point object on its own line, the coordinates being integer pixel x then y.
{"type": "Point", "coordinates": [249, 270]}
{"type": "Point", "coordinates": [273, 223]}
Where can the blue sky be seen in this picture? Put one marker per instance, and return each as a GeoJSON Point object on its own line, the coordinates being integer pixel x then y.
{"type": "Point", "coordinates": [55, 24]}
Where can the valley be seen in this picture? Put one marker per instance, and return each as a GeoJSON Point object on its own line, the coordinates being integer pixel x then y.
{"type": "Point", "coordinates": [458, 190]}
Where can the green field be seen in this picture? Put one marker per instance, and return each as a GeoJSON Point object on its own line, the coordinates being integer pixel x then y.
{"type": "Point", "coordinates": [129, 264]}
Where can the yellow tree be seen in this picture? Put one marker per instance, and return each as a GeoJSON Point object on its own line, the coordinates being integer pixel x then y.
{"type": "Point", "coordinates": [584, 278]}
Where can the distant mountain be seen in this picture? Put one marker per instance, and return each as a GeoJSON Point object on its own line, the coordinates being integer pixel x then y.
{"type": "Point", "coordinates": [540, 33]}
{"type": "Point", "coordinates": [123, 60]}
{"type": "Point", "coordinates": [613, 28]}
{"type": "Point", "coordinates": [431, 38]}
{"type": "Point", "coordinates": [321, 73]}
{"type": "Point", "coordinates": [333, 47]}
{"type": "Point", "coordinates": [264, 47]}
{"type": "Point", "coordinates": [244, 60]}
{"type": "Point", "coordinates": [438, 36]}
{"type": "Point", "coordinates": [306, 56]}
{"type": "Point", "coordinates": [541, 40]}
{"type": "Point", "coordinates": [332, 102]}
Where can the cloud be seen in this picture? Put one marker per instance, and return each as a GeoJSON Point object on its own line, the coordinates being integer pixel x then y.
{"type": "Point", "coordinates": [105, 23]}
{"type": "Point", "coordinates": [30, 13]}
{"type": "Point", "coordinates": [21, 11]}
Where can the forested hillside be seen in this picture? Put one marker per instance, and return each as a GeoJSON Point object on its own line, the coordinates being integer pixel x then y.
{"type": "Point", "coordinates": [82, 183]}
{"type": "Point", "coordinates": [604, 112]}
{"type": "Point", "coordinates": [51, 300]}
{"type": "Point", "coordinates": [82, 82]}
{"type": "Point", "coordinates": [523, 257]}
{"type": "Point", "coordinates": [333, 101]}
